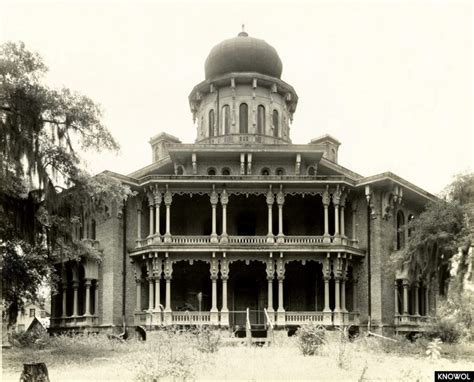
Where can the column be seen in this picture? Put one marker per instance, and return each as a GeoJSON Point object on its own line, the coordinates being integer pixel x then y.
{"type": "Point", "coordinates": [224, 201]}
{"type": "Point", "coordinates": [214, 200]}
{"type": "Point", "coordinates": [281, 318]}
{"type": "Point", "coordinates": [336, 198]}
{"type": "Point", "coordinates": [168, 201]}
{"type": "Point", "coordinates": [157, 197]}
{"type": "Point", "coordinates": [151, 208]}
{"type": "Point", "coordinates": [214, 270]}
{"type": "Point", "coordinates": [139, 221]}
{"type": "Point", "coordinates": [343, 294]}
{"type": "Point", "coordinates": [96, 298]}
{"type": "Point", "coordinates": [405, 297]}
{"type": "Point", "coordinates": [354, 220]}
{"type": "Point", "coordinates": [270, 201]}
{"type": "Point", "coordinates": [326, 200]}
{"type": "Point", "coordinates": [87, 302]}
{"type": "Point", "coordinates": [342, 204]}
{"type": "Point", "coordinates": [156, 281]}
{"type": "Point", "coordinates": [327, 313]}
{"type": "Point", "coordinates": [64, 302]}
{"type": "Point", "coordinates": [151, 287]}
{"type": "Point", "coordinates": [417, 300]}
{"type": "Point", "coordinates": [75, 286]}
{"type": "Point", "coordinates": [224, 277]}
{"type": "Point", "coordinates": [270, 275]}
{"type": "Point", "coordinates": [168, 271]}
{"type": "Point", "coordinates": [280, 202]}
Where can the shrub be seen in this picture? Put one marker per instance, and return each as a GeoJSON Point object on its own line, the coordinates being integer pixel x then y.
{"type": "Point", "coordinates": [433, 350]}
{"type": "Point", "coordinates": [31, 338]}
{"type": "Point", "coordinates": [447, 330]}
{"type": "Point", "coordinates": [208, 340]}
{"type": "Point", "coordinates": [310, 338]}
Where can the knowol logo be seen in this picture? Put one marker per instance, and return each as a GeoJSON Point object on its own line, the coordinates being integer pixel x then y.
{"type": "Point", "coordinates": [454, 376]}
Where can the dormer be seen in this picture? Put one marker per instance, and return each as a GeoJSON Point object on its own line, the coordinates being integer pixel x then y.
{"type": "Point", "coordinates": [159, 145]}
{"type": "Point", "coordinates": [329, 144]}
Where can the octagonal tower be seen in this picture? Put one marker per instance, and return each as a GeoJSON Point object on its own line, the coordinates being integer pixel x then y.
{"type": "Point", "coordinates": [243, 99]}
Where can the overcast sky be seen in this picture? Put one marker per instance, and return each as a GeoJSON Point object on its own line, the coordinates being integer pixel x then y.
{"type": "Point", "coordinates": [392, 80]}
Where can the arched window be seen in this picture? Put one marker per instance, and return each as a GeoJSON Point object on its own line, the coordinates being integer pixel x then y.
{"type": "Point", "coordinates": [333, 155]}
{"type": "Point", "coordinates": [180, 170]}
{"type": "Point", "coordinates": [211, 171]}
{"type": "Point", "coordinates": [311, 171]}
{"type": "Point", "coordinates": [261, 120]}
{"type": "Point", "coordinates": [226, 119]}
{"type": "Point", "coordinates": [400, 230]}
{"type": "Point", "coordinates": [243, 118]}
{"type": "Point", "coordinates": [276, 124]}
{"type": "Point", "coordinates": [211, 122]}
{"type": "Point", "coordinates": [265, 171]}
{"type": "Point", "coordinates": [93, 229]}
{"type": "Point", "coordinates": [280, 171]}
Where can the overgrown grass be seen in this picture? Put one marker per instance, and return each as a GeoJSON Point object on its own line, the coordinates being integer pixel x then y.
{"type": "Point", "coordinates": [178, 355]}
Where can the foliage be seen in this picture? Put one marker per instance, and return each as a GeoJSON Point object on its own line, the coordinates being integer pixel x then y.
{"type": "Point", "coordinates": [208, 339]}
{"type": "Point", "coordinates": [310, 338]}
{"type": "Point", "coordinates": [433, 350]}
{"type": "Point", "coordinates": [44, 191]}
{"type": "Point", "coordinates": [36, 338]}
{"type": "Point", "coordinates": [343, 356]}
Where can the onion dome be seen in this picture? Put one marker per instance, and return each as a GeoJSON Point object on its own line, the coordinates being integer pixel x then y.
{"type": "Point", "coordinates": [243, 54]}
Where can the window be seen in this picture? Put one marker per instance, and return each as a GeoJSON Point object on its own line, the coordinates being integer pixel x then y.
{"type": "Point", "coordinates": [280, 171]}
{"type": "Point", "coordinates": [265, 171]}
{"type": "Point", "coordinates": [226, 118]}
{"type": "Point", "coordinates": [243, 118]}
{"type": "Point", "coordinates": [225, 171]}
{"type": "Point", "coordinates": [211, 123]}
{"type": "Point", "coordinates": [311, 171]}
{"type": "Point", "coordinates": [410, 230]}
{"type": "Point", "coordinates": [211, 171]}
{"type": "Point", "coordinates": [32, 312]}
{"type": "Point", "coordinates": [276, 124]}
{"type": "Point", "coordinates": [400, 230]}
{"type": "Point", "coordinates": [93, 228]}
{"type": "Point", "coordinates": [179, 170]}
{"type": "Point", "coordinates": [261, 120]}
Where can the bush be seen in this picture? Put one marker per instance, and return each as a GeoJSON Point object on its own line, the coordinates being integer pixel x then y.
{"type": "Point", "coordinates": [31, 338]}
{"type": "Point", "coordinates": [310, 338]}
{"type": "Point", "coordinates": [208, 340]}
{"type": "Point", "coordinates": [447, 330]}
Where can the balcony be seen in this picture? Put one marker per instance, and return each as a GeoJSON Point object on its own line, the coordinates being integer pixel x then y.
{"type": "Point", "coordinates": [246, 241]}
{"type": "Point", "coordinates": [407, 323]}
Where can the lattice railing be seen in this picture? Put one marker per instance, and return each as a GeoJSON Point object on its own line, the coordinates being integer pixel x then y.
{"type": "Point", "coordinates": [187, 318]}
{"type": "Point", "coordinates": [247, 239]}
{"type": "Point", "coordinates": [300, 318]}
{"type": "Point", "coordinates": [303, 239]}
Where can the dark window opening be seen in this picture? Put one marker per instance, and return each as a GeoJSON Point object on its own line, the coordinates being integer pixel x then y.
{"type": "Point", "coordinates": [243, 119]}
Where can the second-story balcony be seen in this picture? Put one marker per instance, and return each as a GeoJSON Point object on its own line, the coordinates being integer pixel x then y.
{"type": "Point", "coordinates": [243, 241]}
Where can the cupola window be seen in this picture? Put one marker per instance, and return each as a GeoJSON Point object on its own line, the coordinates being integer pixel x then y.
{"type": "Point", "coordinates": [265, 171]}
{"type": "Point", "coordinates": [261, 120]}
{"type": "Point", "coordinates": [211, 171]}
{"type": "Point", "coordinates": [211, 122]}
{"type": "Point", "coordinates": [243, 118]}
{"type": "Point", "coordinates": [225, 171]}
{"type": "Point", "coordinates": [280, 171]}
{"type": "Point", "coordinates": [276, 124]}
{"type": "Point", "coordinates": [226, 119]}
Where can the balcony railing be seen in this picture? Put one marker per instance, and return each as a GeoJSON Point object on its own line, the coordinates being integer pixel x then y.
{"type": "Point", "coordinates": [191, 318]}
{"type": "Point", "coordinates": [245, 240]}
{"type": "Point", "coordinates": [413, 320]}
{"type": "Point", "coordinates": [300, 318]}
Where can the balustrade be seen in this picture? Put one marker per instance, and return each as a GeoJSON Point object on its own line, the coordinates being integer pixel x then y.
{"type": "Point", "coordinates": [300, 318]}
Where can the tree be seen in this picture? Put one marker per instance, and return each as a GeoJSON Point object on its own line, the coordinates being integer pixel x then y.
{"type": "Point", "coordinates": [438, 233]}
{"type": "Point", "coordinates": [44, 189]}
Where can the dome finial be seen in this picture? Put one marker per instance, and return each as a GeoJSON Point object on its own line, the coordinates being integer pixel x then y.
{"type": "Point", "coordinates": [243, 33]}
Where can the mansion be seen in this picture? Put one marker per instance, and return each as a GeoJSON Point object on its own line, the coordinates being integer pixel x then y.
{"type": "Point", "coordinates": [244, 228]}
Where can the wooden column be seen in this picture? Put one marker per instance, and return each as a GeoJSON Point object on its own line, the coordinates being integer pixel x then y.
{"type": "Point", "coordinates": [417, 300]}
{"type": "Point", "coordinates": [168, 200]}
{"type": "Point", "coordinates": [224, 202]}
{"type": "Point", "coordinates": [75, 287]}
{"type": "Point", "coordinates": [157, 200]}
{"type": "Point", "coordinates": [270, 276]}
{"type": "Point", "coordinates": [280, 202]}
{"type": "Point", "coordinates": [96, 298]}
{"type": "Point", "coordinates": [214, 270]}
{"type": "Point", "coordinates": [64, 302]}
{"type": "Point", "coordinates": [214, 197]}
{"type": "Point", "coordinates": [224, 277]}
{"type": "Point", "coordinates": [405, 284]}
{"type": "Point", "coordinates": [281, 319]}
{"type": "Point", "coordinates": [326, 200]}
{"type": "Point", "coordinates": [270, 201]}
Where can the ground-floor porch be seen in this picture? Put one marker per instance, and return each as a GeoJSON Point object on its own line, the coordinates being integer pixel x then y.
{"type": "Point", "coordinates": [241, 289]}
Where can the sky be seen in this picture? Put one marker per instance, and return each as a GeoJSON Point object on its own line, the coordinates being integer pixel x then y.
{"type": "Point", "coordinates": [392, 80]}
